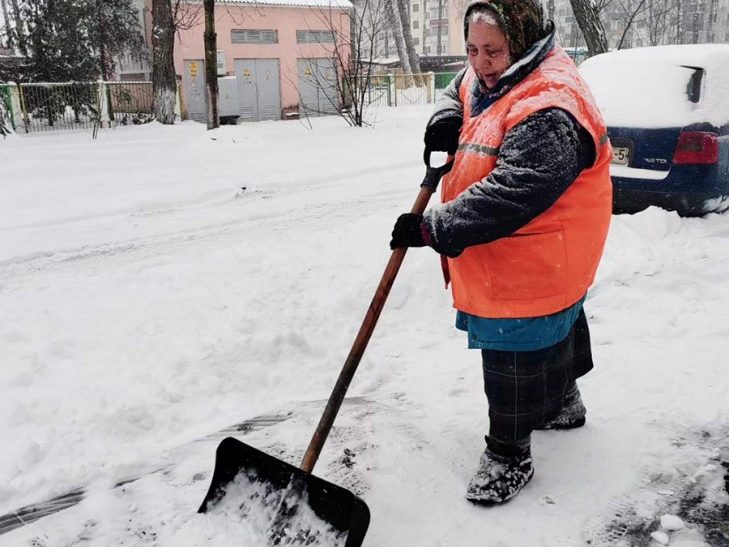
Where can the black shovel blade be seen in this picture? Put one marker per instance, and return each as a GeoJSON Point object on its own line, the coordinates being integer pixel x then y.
{"type": "Point", "coordinates": [298, 507]}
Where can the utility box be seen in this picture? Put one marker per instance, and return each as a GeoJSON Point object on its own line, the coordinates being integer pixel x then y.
{"type": "Point", "coordinates": [228, 99]}
{"type": "Point", "coordinates": [220, 58]}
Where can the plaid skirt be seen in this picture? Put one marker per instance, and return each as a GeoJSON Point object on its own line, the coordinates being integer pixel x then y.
{"type": "Point", "coordinates": [527, 388]}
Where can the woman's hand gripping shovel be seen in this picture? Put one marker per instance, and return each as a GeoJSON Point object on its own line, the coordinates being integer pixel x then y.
{"type": "Point", "coordinates": [286, 505]}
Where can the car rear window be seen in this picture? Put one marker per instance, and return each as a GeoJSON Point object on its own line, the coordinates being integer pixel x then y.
{"type": "Point", "coordinates": [643, 94]}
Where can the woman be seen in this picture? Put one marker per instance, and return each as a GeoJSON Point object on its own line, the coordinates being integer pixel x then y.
{"type": "Point", "coordinates": [525, 214]}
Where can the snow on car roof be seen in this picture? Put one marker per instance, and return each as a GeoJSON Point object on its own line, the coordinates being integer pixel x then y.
{"type": "Point", "coordinates": [686, 54]}
{"type": "Point", "coordinates": [647, 87]}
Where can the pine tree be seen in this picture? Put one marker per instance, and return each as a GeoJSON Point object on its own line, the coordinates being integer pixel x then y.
{"type": "Point", "coordinates": [73, 40]}
{"type": "Point", "coordinates": [76, 39]}
{"type": "Point", "coordinates": [113, 30]}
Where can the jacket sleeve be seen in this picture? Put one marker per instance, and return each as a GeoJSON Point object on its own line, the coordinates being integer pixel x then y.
{"type": "Point", "coordinates": [538, 160]}
{"type": "Point", "coordinates": [449, 105]}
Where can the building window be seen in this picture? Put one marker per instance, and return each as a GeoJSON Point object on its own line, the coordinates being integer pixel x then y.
{"type": "Point", "coordinates": [253, 36]}
{"type": "Point", "coordinates": [314, 37]}
{"type": "Point", "coordinates": [416, 40]}
{"type": "Point", "coordinates": [416, 8]}
{"type": "Point", "coordinates": [416, 24]}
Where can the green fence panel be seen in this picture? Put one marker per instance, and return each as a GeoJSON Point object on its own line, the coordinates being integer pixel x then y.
{"type": "Point", "coordinates": [442, 79]}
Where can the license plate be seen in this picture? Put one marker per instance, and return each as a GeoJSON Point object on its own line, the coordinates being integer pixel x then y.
{"type": "Point", "coordinates": [621, 155]}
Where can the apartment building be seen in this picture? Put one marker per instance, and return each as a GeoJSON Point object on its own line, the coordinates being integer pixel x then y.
{"type": "Point", "coordinates": [655, 23]}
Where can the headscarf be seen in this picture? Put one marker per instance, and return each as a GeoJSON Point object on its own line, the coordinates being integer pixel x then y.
{"type": "Point", "coordinates": [521, 21]}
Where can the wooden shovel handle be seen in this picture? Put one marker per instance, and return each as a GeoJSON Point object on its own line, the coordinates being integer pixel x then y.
{"type": "Point", "coordinates": [360, 343]}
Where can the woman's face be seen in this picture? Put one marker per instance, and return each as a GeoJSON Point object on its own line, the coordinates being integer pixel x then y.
{"type": "Point", "coordinates": [488, 51]}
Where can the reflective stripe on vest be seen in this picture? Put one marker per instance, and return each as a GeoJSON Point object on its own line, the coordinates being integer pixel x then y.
{"type": "Point", "coordinates": [547, 265]}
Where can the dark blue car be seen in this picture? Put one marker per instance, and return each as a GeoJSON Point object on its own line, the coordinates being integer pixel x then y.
{"type": "Point", "coordinates": [667, 112]}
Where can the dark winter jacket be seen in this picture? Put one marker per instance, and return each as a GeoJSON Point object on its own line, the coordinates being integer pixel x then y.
{"type": "Point", "coordinates": [526, 180]}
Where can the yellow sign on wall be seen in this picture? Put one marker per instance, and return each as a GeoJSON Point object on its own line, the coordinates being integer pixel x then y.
{"type": "Point", "coordinates": [193, 70]}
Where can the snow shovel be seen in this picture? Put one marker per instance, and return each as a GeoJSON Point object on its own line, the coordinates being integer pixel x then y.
{"type": "Point", "coordinates": [286, 505]}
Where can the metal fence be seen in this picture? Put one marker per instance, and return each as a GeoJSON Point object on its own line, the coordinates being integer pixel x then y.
{"type": "Point", "coordinates": [49, 107]}
{"type": "Point", "coordinates": [402, 89]}
{"type": "Point", "coordinates": [39, 107]}
{"type": "Point", "coordinates": [130, 102]}
{"type": "Point", "coordinates": [82, 105]}
{"type": "Point", "coordinates": [379, 91]}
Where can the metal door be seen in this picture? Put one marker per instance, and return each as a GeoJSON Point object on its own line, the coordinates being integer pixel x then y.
{"type": "Point", "coordinates": [245, 73]}
{"type": "Point", "coordinates": [318, 86]}
{"type": "Point", "coordinates": [193, 81]}
{"type": "Point", "coordinates": [269, 89]}
{"type": "Point", "coordinates": [259, 89]}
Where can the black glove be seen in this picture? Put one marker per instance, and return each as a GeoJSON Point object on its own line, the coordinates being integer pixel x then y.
{"type": "Point", "coordinates": [442, 135]}
{"type": "Point", "coordinates": [407, 232]}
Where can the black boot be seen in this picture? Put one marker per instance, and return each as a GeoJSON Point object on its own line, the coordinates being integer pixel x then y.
{"type": "Point", "coordinates": [500, 476]}
{"type": "Point", "coordinates": [572, 414]}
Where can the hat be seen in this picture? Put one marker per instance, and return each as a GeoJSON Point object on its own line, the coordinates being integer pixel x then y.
{"type": "Point", "coordinates": [521, 21]}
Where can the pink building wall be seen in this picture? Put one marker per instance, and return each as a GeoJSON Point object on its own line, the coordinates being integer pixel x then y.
{"type": "Point", "coordinates": [286, 20]}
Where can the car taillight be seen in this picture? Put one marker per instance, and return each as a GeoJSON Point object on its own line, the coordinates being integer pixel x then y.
{"type": "Point", "coordinates": [697, 147]}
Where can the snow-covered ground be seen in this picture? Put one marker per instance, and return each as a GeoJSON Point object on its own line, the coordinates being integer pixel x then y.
{"type": "Point", "coordinates": [162, 283]}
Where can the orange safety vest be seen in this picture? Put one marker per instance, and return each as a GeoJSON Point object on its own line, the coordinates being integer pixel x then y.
{"type": "Point", "coordinates": [548, 264]}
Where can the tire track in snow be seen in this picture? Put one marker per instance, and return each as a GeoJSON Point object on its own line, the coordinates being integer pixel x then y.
{"type": "Point", "coordinates": [286, 209]}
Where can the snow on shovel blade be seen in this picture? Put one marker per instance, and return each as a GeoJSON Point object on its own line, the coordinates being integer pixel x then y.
{"type": "Point", "coordinates": [280, 504]}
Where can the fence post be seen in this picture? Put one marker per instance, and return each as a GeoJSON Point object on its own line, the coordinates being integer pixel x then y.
{"type": "Point", "coordinates": [431, 87]}
{"type": "Point", "coordinates": [8, 107]}
{"type": "Point", "coordinates": [103, 104]}
{"type": "Point", "coordinates": [391, 90]}
{"type": "Point", "coordinates": [15, 109]}
{"type": "Point", "coordinates": [178, 101]}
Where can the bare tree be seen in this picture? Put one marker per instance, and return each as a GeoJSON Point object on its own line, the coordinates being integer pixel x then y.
{"type": "Point", "coordinates": [356, 85]}
{"type": "Point", "coordinates": [353, 53]}
{"type": "Point", "coordinates": [164, 81]}
{"type": "Point", "coordinates": [211, 64]}
{"type": "Point", "coordinates": [710, 35]}
{"type": "Point", "coordinates": [168, 16]}
{"type": "Point", "coordinates": [629, 23]}
{"type": "Point", "coordinates": [402, 6]}
{"type": "Point", "coordinates": [698, 7]}
{"type": "Point", "coordinates": [439, 39]}
{"type": "Point", "coordinates": [395, 24]}
{"type": "Point", "coordinates": [643, 22]}
{"type": "Point", "coordinates": [588, 18]}
{"type": "Point", "coordinates": [660, 19]}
